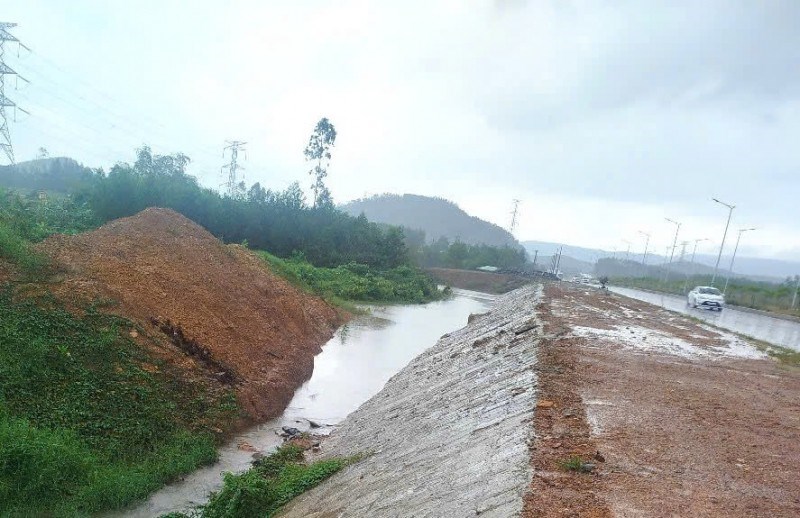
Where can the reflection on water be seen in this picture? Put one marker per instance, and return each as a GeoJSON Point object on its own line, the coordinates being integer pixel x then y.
{"type": "Point", "coordinates": [352, 367]}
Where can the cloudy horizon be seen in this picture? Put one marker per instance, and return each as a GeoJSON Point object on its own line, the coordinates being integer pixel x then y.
{"type": "Point", "coordinates": [603, 118]}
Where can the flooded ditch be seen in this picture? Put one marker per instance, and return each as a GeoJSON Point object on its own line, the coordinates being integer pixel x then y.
{"type": "Point", "coordinates": [352, 367]}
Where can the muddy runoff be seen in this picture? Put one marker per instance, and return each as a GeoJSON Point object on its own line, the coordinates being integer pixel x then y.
{"type": "Point", "coordinates": [353, 366]}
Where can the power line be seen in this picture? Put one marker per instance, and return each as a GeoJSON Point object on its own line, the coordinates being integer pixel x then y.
{"type": "Point", "coordinates": [232, 183]}
{"type": "Point", "coordinates": [5, 102]}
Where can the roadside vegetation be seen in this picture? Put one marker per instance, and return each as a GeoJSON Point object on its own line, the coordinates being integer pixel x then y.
{"type": "Point", "coordinates": [271, 483]}
{"type": "Point", "coordinates": [357, 282]}
{"type": "Point", "coordinates": [88, 421]}
{"type": "Point", "coordinates": [765, 296]}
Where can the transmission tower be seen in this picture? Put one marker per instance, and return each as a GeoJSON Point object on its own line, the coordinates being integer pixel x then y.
{"type": "Point", "coordinates": [514, 212]}
{"type": "Point", "coordinates": [5, 102]}
{"type": "Point", "coordinates": [232, 169]}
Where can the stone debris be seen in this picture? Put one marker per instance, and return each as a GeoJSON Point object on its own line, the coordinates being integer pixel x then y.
{"type": "Point", "coordinates": [448, 435]}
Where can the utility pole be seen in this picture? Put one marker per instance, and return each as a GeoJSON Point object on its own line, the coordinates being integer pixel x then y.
{"type": "Point", "coordinates": [535, 256]}
{"type": "Point", "coordinates": [733, 257]}
{"type": "Point", "coordinates": [644, 256]}
{"type": "Point", "coordinates": [558, 263]}
{"type": "Point", "coordinates": [513, 226]}
{"type": "Point", "coordinates": [683, 251]}
{"type": "Point", "coordinates": [796, 288]}
{"type": "Point", "coordinates": [233, 168]}
{"type": "Point", "coordinates": [724, 235]}
{"type": "Point", "coordinates": [5, 102]}
{"type": "Point", "coordinates": [674, 245]}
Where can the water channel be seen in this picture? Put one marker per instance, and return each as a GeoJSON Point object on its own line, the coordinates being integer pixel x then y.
{"type": "Point", "coordinates": [352, 367]}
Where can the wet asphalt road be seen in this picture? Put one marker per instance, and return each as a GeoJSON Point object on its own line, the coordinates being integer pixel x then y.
{"type": "Point", "coordinates": [773, 330]}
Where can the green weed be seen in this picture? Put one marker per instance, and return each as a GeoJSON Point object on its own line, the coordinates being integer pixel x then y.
{"type": "Point", "coordinates": [83, 427]}
{"type": "Point", "coordinates": [357, 282]}
{"type": "Point", "coordinates": [270, 484]}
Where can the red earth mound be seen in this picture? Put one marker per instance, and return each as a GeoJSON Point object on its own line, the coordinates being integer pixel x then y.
{"type": "Point", "coordinates": [216, 310]}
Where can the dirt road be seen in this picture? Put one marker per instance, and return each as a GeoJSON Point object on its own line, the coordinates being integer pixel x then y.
{"type": "Point", "coordinates": [669, 416]}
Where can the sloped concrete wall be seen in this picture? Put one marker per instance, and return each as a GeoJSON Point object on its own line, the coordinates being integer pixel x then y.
{"type": "Point", "coordinates": [449, 433]}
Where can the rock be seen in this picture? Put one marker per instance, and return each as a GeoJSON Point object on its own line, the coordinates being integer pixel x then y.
{"type": "Point", "coordinates": [134, 333]}
{"type": "Point", "coordinates": [599, 457]}
{"type": "Point", "coordinates": [314, 424]}
{"type": "Point", "coordinates": [587, 467]}
{"type": "Point", "coordinates": [568, 412]}
{"type": "Point", "coordinates": [245, 446]}
{"type": "Point", "coordinates": [290, 431]}
{"type": "Point", "coordinates": [545, 403]}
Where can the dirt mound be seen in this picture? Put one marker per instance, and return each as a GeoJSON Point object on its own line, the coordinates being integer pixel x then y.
{"type": "Point", "coordinates": [216, 309]}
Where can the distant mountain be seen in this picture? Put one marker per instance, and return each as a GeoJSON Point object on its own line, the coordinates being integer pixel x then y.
{"type": "Point", "coordinates": [437, 217]}
{"type": "Point", "coordinates": [755, 268]}
{"type": "Point", "coordinates": [45, 174]}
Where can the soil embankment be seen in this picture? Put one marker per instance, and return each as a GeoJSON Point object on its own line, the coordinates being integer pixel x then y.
{"type": "Point", "coordinates": [214, 310]}
{"type": "Point", "coordinates": [673, 417]}
{"type": "Point", "coordinates": [447, 435]}
{"type": "Point", "coordinates": [486, 282]}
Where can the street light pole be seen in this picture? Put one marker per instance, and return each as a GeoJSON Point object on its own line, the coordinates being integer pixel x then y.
{"type": "Point", "coordinates": [733, 257]}
{"type": "Point", "coordinates": [674, 244]}
{"type": "Point", "coordinates": [796, 288]}
{"type": "Point", "coordinates": [628, 251]}
{"type": "Point", "coordinates": [724, 235]}
{"type": "Point", "coordinates": [644, 256]}
{"type": "Point", "coordinates": [691, 264]}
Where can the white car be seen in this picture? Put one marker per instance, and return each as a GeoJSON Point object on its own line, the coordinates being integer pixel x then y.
{"type": "Point", "coordinates": [706, 297]}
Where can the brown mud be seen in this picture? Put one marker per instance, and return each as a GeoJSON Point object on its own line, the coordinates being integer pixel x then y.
{"type": "Point", "coordinates": [687, 420]}
{"type": "Point", "coordinates": [216, 311]}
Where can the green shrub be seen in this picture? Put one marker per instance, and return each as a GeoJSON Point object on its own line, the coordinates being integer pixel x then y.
{"type": "Point", "coordinates": [357, 282]}
{"type": "Point", "coordinates": [272, 483]}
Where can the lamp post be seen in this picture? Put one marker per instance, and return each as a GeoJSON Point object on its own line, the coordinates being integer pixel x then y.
{"type": "Point", "coordinates": [691, 264]}
{"type": "Point", "coordinates": [724, 235]}
{"type": "Point", "coordinates": [796, 288]}
{"type": "Point", "coordinates": [674, 244]}
{"type": "Point", "coordinates": [644, 256]}
{"type": "Point", "coordinates": [628, 250]}
{"type": "Point", "coordinates": [733, 257]}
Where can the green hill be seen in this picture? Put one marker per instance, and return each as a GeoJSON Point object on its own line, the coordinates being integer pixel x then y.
{"type": "Point", "coordinates": [437, 217]}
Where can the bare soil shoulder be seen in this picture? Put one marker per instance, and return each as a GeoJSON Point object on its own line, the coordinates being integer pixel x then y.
{"type": "Point", "coordinates": [688, 420]}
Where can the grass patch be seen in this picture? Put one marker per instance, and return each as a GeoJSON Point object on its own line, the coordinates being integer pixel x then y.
{"type": "Point", "coordinates": [357, 282]}
{"type": "Point", "coordinates": [271, 483]}
{"type": "Point", "coordinates": [88, 421]}
{"type": "Point", "coordinates": [576, 464]}
{"type": "Point", "coordinates": [17, 251]}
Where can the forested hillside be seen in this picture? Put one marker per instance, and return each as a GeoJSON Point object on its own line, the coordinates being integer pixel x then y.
{"type": "Point", "coordinates": [437, 217]}
{"type": "Point", "coordinates": [45, 174]}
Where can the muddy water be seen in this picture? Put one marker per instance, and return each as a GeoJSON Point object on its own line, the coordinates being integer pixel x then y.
{"type": "Point", "coordinates": [763, 327]}
{"type": "Point", "coordinates": [352, 367]}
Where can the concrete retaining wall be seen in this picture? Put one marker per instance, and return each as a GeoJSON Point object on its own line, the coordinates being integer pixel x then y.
{"type": "Point", "coordinates": [449, 433]}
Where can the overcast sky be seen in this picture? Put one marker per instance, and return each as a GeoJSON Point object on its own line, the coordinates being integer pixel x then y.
{"type": "Point", "coordinates": [602, 117]}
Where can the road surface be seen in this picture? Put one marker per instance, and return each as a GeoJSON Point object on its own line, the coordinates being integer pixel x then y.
{"type": "Point", "coordinates": [769, 329]}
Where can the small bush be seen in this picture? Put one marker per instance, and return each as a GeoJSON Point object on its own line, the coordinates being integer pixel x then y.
{"type": "Point", "coordinates": [270, 484]}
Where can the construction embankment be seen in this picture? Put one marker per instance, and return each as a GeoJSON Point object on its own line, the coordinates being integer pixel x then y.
{"type": "Point", "coordinates": [215, 311]}
{"type": "Point", "coordinates": [569, 401]}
